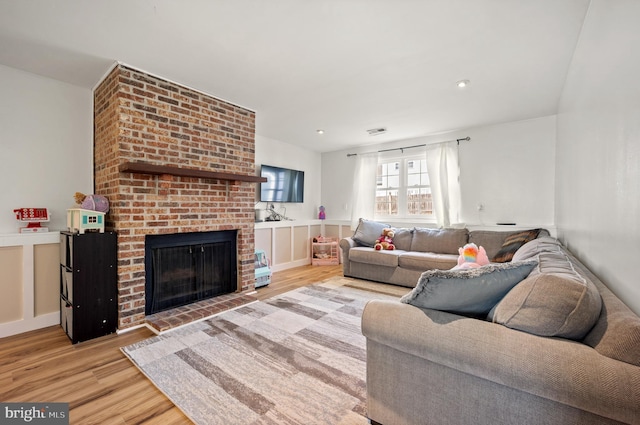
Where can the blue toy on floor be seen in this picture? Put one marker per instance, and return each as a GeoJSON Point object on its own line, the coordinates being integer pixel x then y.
{"type": "Point", "coordinates": [262, 270]}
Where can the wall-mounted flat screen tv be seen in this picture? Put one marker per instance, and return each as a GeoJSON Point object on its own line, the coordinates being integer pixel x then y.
{"type": "Point", "coordinates": [282, 185]}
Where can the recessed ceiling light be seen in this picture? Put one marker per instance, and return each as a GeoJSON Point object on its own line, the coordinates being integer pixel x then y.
{"type": "Point", "coordinates": [462, 84]}
{"type": "Point", "coordinates": [320, 131]}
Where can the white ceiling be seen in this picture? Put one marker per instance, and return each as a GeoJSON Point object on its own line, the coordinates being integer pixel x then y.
{"type": "Point", "coordinates": [344, 66]}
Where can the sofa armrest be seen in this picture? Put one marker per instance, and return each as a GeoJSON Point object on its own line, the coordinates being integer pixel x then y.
{"type": "Point", "coordinates": [346, 244]}
{"type": "Point", "coordinates": [558, 369]}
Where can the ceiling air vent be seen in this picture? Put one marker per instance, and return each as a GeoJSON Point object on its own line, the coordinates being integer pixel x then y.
{"type": "Point", "coordinates": [376, 131]}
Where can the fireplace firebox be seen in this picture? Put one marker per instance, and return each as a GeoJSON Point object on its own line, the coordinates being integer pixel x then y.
{"type": "Point", "coordinates": [183, 268]}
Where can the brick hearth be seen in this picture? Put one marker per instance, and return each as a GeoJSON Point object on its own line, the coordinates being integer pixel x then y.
{"type": "Point", "coordinates": [184, 315]}
{"type": "Point", "coordinates": [139, 117]}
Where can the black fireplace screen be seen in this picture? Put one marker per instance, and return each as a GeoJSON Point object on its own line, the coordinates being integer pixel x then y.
{"type": "Point", "coordinates": [188, 267]}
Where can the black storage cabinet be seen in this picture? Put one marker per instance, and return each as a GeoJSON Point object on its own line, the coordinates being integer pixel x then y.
{"type": "Point", "coordinates": [88, 284]}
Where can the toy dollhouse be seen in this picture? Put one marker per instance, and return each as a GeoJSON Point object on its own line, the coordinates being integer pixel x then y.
{"type": "Point", "coordinates": [79, 220]}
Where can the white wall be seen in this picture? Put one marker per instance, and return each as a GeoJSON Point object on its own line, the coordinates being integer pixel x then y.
{"type": "Point", "coordinates": [46, 143]}
{"type": "Point", "coordinates": [281, 154]}
{"type": "Point", "coordinates": [46, 133]}
{"type": "Point", "coordinates": [508, 168]}
{"type": "Point", "coordinates": [598, 152]}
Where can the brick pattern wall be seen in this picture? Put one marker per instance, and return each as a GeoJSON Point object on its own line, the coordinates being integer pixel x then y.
{"type": "Point", "coordinates": [140, 117]}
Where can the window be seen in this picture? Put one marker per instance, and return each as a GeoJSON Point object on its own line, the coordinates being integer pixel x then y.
{"type": "Point", "coordinates": [403, 189]}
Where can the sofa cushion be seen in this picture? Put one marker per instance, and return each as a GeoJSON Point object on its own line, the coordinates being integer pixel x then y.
{"type": "Point", "coordinates": [371, 256]}
{"type": "Point", "coordinates": [440, 241]}
{"type": "Point", "coordinates": [533, 248]}
{"type": "Point", "coordinates": [402, 238]}
{"type": "Point", "coordinates": [368, 232]}
{"type": "Point", "coordinates": [512, 243]}
{"type": "Point", "coordinates": [467, 291]}
{"type": "Point", "coordinates": [490, 240]}
{"type": "Point", "coordinates": [553, 301]}
{"type": "Point", "coordinates": [427, 260]}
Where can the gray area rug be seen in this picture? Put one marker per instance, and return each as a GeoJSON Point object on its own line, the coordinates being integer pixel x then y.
{"type": "Point", "coordinates": [298, 358]}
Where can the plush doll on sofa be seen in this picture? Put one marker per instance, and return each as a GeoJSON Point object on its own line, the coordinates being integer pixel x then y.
{"type": "Point", "coordinates": [471, 257]}
{"type": "Point", "coordinates": [385, 241]}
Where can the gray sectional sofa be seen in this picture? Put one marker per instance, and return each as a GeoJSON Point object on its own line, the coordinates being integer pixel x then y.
{"type": "Point", "coordinates": [416, 250]}
{"type": "Point", "coordinates": [559, 348]}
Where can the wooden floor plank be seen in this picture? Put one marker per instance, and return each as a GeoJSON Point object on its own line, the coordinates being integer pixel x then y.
{"type": "Point", "coordinates": [100, 384]}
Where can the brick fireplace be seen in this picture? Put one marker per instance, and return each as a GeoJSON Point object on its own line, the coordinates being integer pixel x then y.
{"type": "Point", "coordinates": [171, 160]}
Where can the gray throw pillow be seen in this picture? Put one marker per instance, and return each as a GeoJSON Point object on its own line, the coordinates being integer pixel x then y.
{"type": "Point", "coordinates": [368, 232]}
{"type": "Point", "coordinates": [467, 291]}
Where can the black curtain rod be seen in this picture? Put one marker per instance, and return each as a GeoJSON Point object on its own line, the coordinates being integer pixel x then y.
{"type": "Point", "coordinates": [464, 139]}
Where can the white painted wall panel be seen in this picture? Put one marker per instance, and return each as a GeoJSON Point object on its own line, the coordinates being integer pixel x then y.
{"type": "Point", "coordinates": [508, 168]}
{"type": "Point", "coordinates": [46, 145]}
{"type": "Point", "coordinates": [598, 148]}
{"type": "Point", "coordinates": [281, 154]}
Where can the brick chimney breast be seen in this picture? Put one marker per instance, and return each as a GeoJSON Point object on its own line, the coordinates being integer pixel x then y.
{"type": "Point", "coordinates": [140, 117]}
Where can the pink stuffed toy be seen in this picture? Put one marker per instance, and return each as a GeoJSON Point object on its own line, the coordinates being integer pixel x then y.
{"type": "Point", "coordinates": [385, 241]}
{"type": "Point", "coordinates": [471, 257]}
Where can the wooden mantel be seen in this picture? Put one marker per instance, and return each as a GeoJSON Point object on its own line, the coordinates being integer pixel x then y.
{"type": "Point", "coordinates": [156, 169]}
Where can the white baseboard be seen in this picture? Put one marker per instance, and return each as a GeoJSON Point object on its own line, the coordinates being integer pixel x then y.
{"type": "Point", "coordinates": [31, 324]}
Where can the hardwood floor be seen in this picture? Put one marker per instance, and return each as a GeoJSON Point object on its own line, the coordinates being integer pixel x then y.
{"type": "Point", "coordinates": [294, 278]}
{"type": "Point", "coordinates": [100, 384]}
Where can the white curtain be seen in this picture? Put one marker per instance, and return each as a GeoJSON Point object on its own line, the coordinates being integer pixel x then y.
{"type": "Point", "coordinates": [444, 171]}
{"type": "Point", "coordinates": [363, 195]}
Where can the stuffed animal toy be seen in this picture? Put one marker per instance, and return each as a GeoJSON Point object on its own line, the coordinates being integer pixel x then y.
{"type": "Point", "coordinates": [385, 241]}
{"type": "Point", "coordinates": [471, 257]}
{"type": "Point", "coordinates": [92, 202]}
